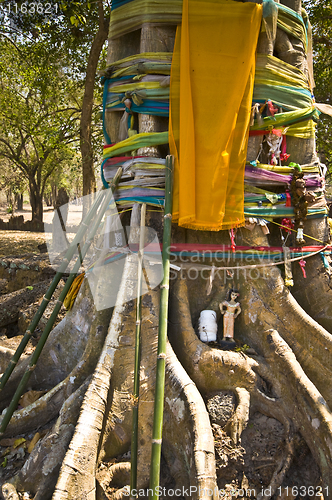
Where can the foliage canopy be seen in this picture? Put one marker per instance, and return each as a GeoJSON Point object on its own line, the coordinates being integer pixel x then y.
{"type": "Point", "coordinates": [43, 64]}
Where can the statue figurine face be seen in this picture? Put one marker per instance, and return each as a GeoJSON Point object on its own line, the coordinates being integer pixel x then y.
{"type": "Point", "coordinates": [234, 296]}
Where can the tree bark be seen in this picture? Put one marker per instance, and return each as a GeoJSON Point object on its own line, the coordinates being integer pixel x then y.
{"type": "Point", "coordinates": [36, 200]}
{"type": "Point", "coordinates": [19, 200]}
{"type": "Point", "coordinates": [13, 303]}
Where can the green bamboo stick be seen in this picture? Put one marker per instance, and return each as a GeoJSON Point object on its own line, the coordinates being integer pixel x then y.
{"type": "Point", "coordinates": [34, 358]}
{"type": "Point", "coordinates": [134, 434]}
{"type": "Point", "coordinates": [31, 328]}
{"type": "Point", "coordinates": [162, 336]}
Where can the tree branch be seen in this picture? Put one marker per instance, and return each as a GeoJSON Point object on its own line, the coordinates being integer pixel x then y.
{"type": "Point", "coordinates": [35, 148]}
{"type": "Point", "coordinates": [11, 41]}
{"type": "Point", "coordinates": [23, 145]}
{"type": "Point", "coordinates": [9, 147]}
{"type": "Point", "coordinates": [87, 104]}
{"type": "Point", "coordinates": [322, 39]}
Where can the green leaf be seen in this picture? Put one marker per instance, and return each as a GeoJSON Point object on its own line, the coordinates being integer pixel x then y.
{"type": "Point", "coordinates": [82, 19]}
{"type": "Point", "coordinates": [30, 287]}
{"type": "Point", "coordinates": [242, 348]}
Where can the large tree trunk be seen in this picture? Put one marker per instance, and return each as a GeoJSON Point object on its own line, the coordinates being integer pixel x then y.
{"type": "Point", "coordinates": [219, 403]}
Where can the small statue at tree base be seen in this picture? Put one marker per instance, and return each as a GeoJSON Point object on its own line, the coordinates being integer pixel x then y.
{"type": "Point", "coordinates": [230, 309]}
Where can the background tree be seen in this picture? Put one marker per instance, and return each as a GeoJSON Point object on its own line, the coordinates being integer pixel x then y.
{"type": "Point", "coordinates": [13, 184]}
{"type": "Point", "coordinates": [89, 183]}
{"type": "Point", "coordinates": [39, 113]}
{"type": "Point", "coordinates": [68, 175]}
{"type": "Point", "coordinates": [78, 31]}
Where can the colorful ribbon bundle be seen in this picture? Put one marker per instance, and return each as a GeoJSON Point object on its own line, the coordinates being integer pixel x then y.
{"type": "Point", "coordinates": [148, 185]}
{"type": "Point", "coordinates": [282, 105]}
{"type": "Point", "coordinates": [128, 16]}
{"type": "Point", "coordinates": [269, 205]}
{"type": "Point", "coordinates": [285, 85]}
{"type": "Point", "coordinates": [150, 95]}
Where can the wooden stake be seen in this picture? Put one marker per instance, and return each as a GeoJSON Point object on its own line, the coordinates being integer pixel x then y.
{"type": "Point", "coordinates": [162, 336]}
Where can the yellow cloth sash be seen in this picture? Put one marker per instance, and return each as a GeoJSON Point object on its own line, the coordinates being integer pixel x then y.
{"type": "Point", "coordinates": [211, 91]}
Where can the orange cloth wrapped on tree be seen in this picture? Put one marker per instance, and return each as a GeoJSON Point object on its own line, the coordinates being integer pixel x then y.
{"type": "Point", "coordinates": [211, 90]}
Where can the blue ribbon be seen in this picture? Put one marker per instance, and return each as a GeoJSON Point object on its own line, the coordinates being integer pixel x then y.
{"type": "Point", "coordinates": [105, 92]}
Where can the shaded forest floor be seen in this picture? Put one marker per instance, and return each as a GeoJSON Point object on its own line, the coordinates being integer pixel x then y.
{"type": "Point", "coordinates": [21, 242]}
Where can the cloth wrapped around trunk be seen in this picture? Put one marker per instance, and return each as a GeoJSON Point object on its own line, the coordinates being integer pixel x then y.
{"type": "Point", "coordinates": [211, 91]}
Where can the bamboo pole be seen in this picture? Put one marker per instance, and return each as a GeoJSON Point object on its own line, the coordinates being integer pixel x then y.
{"type": "Point", "coordinates": [34, 358]}
{"type": "Point", "coordinates": [134, 435]}
{"type": "Point", "coordinates": [162, 336]}
{"type": "Point", "coordinates": [70, 252]}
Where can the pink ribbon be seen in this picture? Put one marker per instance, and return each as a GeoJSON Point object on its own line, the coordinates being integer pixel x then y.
{"type": "Point", "coordinates": [284, 156]}
{"type": "Point", "coordinates": [232, 235]}
{"type": "Point", "coordinates": [302, 264]}
{"type": "Point", "coordinates": [272, 109]}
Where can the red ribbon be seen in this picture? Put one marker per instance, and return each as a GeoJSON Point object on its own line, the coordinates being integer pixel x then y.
{"type": "Point", "coordinates": [288, 225]}
{"type": "Point", "coordinates": [275, 131]}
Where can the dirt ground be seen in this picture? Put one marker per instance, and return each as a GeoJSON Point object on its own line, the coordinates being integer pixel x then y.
{"type": "Point", "coordinates": [20, 242]}
{"type": "Point", "coordinates": [23, 242]}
